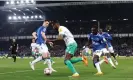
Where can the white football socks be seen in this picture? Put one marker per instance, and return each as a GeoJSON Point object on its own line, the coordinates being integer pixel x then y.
{"type": "Point", "coordinates": [110, 61]}
{"type": "Point", "coordinates": [98, 67]}
{"type": "Point", "coordinates": [101, 61]}
{"type": "Point", "coordinates": [37, 60]}
{"type": "Point", "coordinates": [49, 63]}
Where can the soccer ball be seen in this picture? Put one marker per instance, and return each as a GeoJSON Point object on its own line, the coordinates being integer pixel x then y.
{"type": "Point", "coordinates": [47, 71]}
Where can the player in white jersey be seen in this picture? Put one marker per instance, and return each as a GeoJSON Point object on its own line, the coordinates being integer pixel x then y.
{"type": "Point", "coordinates": [34, 49]}
{"type": "Point", "coordinates": [86, 51]}
{"type": "Point", "coordinates": [71, 47]}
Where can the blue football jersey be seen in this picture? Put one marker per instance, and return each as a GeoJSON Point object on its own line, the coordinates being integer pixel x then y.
{"type": "Point", "coordinates": [40, 39]}
{"type": "Point", "coordinates": [108, 38]}
{"type": "Point", "coordinates": [97, 41]}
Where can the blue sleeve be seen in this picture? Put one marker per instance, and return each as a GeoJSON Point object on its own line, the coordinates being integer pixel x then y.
{"type": "Point", "coordinates": [43, 30]}
{"type": "Point", "coordinates": [103, 39]}
{"type": "Point", "coordinates": [108, 36]}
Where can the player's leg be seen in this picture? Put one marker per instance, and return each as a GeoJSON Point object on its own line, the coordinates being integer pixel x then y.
{"type": "Point", "coordinates": [49, 62]}
{"type": "Point", "coordinates": [86, 53]}
{"type": "Point", "coordinates": [69, 64]}
{"type": "Point", "coordinates": [83, 58]}
{"type": "Point", "coordinates": [71, 49]}
{"type": "Point", "coordinates": [113, 54]}
{"type": "Point", "coordinates": [32, 63]}
{"type": "Point", "coordinates": [110, 60]}
{"type": "Point", "coordinates": [107, 57]}
{"type": "Point", "coordinates": [9, 54]}
{"type": "Point", "coordinates": [14, 56]}
{"type": "Point", "coordinates": [46, 56]}
{"type": "Point", "coordinates": [96, 63]}
{"type": "Point", "coordinates": [34, 54]}
{"type": "Point", "coordinates": [104, 51]}
{"type": "Point", "coordinates": [52, 61]}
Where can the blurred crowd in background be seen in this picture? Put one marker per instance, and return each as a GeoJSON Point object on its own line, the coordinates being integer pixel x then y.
{"type": "Point", "coordinates": [114, 18]}
{"type": "Point", "coordinates": [122, 46]}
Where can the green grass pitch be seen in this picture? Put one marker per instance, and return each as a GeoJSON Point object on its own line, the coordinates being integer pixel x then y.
{"type": "Point", "coordinates": [22, 71]}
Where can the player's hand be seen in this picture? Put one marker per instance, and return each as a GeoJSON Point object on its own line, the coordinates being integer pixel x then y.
{"type": "Point", "coordinates": [51, 44]}
{"type": "Point", "coordinates": [16, 50]}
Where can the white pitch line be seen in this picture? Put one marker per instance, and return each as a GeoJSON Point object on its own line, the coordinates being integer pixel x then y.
{"type": "Point", "coordinates": [23, 71]}
{"type": "Point", "coordinates": [18, 71]}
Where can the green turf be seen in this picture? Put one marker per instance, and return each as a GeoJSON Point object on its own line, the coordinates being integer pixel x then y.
{"type": "Point", "coordinates": [22, 71]}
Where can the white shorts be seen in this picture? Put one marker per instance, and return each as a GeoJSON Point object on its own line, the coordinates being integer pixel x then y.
{"type": "Point", "coordinates": [105, 51]}
{"type": "Point", "coordinates": [97, 52]}
{"type": "Point", "coordinates": [42, 48]}
{"type": "Point", "coordinates": [111, 50]}
{"type": "Point", "coordinates": [34, 49]}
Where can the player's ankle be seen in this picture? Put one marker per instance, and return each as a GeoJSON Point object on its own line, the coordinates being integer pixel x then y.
{"type": "Point", "coordinates": [76, 73]}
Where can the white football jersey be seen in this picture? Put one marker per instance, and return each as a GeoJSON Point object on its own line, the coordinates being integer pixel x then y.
{"type": "Point", "coordinates": [87, 50]}
{"type": "Point", "coordinates": [67, 35]}
{"type": "Point", "coordinates": [33, 46]}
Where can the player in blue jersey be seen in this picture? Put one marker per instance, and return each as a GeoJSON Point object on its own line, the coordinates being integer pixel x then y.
{"type": "Point", "coordinates": [95, 41]}
{"type": "Point", "coordinates": [41, 41]}
{"type": "Point", "coordinates": [106, 53]}
{"type": "Point", "coordinates": [110, 47]}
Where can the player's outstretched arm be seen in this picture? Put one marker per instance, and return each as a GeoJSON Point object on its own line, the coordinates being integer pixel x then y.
{"type": "Point", "coordinates": [89, 43]}
{"type": "Point", "coordinates": [105, 41]}
{"type": "Point", "coordinates": [58, 38]}
{"type": "Point", "coordinates": [47, 40]}
{"type": "Point", "coordinates": [10, 48]}
{"type": "Point", "coordinates": [17, 48]}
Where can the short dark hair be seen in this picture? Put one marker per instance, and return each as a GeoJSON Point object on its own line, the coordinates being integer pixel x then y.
{"type": "Point", "coordinates": [46, 20]}
{"type": "Point", "coordinates": [55, 21]}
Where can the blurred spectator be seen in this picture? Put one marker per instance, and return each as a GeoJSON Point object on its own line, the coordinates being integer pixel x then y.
{"type": "Point", "coordinates": [122, 47]}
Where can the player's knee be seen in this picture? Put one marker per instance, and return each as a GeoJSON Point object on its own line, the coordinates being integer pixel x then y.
{"type": "Point", "coordinates": [66, 62]}
{"type": "Point", "coordinates": [108, 55]}
{"type": "Point", "coordinates": [94, 65]}
{"type": "Point", "coordinates": [95, 59]}
{"type": "Point", "coordinates": [68, 56]}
